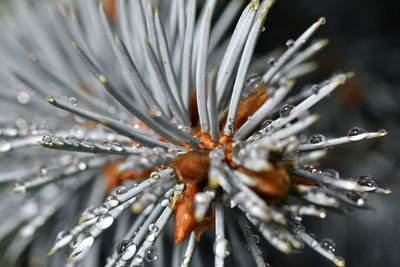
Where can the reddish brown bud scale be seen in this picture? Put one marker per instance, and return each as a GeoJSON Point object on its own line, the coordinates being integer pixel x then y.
{"type": "Point", "coordinates": [208, 222]}
{"type": "Point", "coordinates": [192, 167]}
{"type": "Point", "coordinates": [185, 221]}
{"type": "Point", "coordinates": [249, 105]}
{"type": "Point", "coordinates": [272, 183]}
{"type": "Point", "coordinates": [111, 8]}
{"type": "Point", "coordinates": [114, 178]}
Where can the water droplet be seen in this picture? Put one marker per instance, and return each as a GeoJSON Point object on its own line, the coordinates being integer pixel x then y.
{"type": "Point", "coordinates": [47, 139]}
{"type": "Point", "coordinates": [138, 260]}
{"type": "Point", "coordinates": [356, 131]}
{"type": "Point", "coordinates": [217, 154]}
{"type": "Point", "coordinates": [272, 61]}
{"type": "Point", "coordinates": [129, 252]}
{"type": "Point", "coordinates": [104, 221]}
{"type": "Point", "coordinates": [121, 190]}
{"type": "Point", "coordinates": [186, 261]}
{"type": "Point", "coordinates": [43, 171]}
{"type": "Point", "coordinates": [256, 238]}
{"type": "Point", "coordinates": [58, 140]}
{"type": "Point", "coordinates": [322, 20]}
{"type": "Point", "coordinates": [60, 236]}
{"type": "Point", "coordinates": [316, 138]}
{"type": "Point", "coordinates": [266, 123]}
{"type": "Point", "coordinates": [82, 166]}
{"type": "Point", "coordinates": [200, 199]}
{"type": "Point", "coordinates": [151, 237]}
{"type": "Point", "coordinates": [221, 247]}
{"type": "Point", "coordinates": [155, 175]}
{"type": "Point", "coordinates": [83, 245]}
{"type": "Point", "coordinates": [253, 80]}
{"type": "Point", "coordinates": [328, 245]}
{"type": "Point", "coordinates": [72, 100]}
{"type": "Point", "coordinates": [312, 168]}
{"type": "Point", "coordinates": [314, 243]}
{"type": "Point", "coordinates": [382, 131]}
{"type": "Point", "coordinates": [88, 141]}
{"type": "Point", "coordinates": [111, 202]}
{"type": "Point", "coordinates": [151, 254]}
{"type": "Point", "coordinates": [23, 98]}
{"type": "Point", "coordinates": [339, 261]}
{"type": "Point", "coordinates": [257, 136]}
{"type": "Point", "coordinates": [299, 227]}
{"type": "Point", "coordinates": [263, 29]}
{"type": "Point", "coordinates": [331, 173]}
{"type": "Point", "coordinates": [19, 188]}
{"type": "Point", "coordinates": [153, 228]}
{"type": "Point", "coordinates": [164, 203]}
{"type": "Point", "coordinates": [5, 146]}
{"type": "Point", "coordinates": [315, 89]}
{"type": "Point", "coordinates": [290, 43]}
{"type": "Point", "coordinates": [116, 147]}
{"type": "Point", "coordinates": [366, 180]}
{"type": "Point", "coordinates": [87, 214]}
{"type": "Point", "coordinates": [285, 110]}
{"type": "Point", "coordinates": [122, 246]}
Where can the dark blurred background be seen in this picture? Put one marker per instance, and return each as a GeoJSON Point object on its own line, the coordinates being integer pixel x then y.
{"type": "Point", "coordinates": [364, 37]}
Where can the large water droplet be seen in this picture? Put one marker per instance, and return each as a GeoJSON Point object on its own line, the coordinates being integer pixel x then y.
{"type": "Point", "coordinates": [356, 131]}
{"type": "Point", "coordinates": [285, 110]}
{"type": "Point", "coordinates": [104, 221]}
{"type": "Point", "coordinates": [151, 237]}
{"type": "Point", "coordinates": [19, 188]}
{"type": "Point", "coordinates": [316, 138]}
{"type": "Point", "coordinates": [63, 238]}
{"type": "Point", "coordinates": [82, 166]}
{"type": "Point", "coordinates": [5, 146]}
{"type": "Point", "coordinates": [23, 98]}
{"type": "Point", "coordinates": [328, 245]}
{"type": "Point", "coordinates": [221, 247]}
{"type": "Point", "coordinates": [129, 252]}
{"type": "Point", "coordinates": [164, 202]}
{"type": "Point", "coordinates": [122, 246]}
{"type": "Point", "coordinates": [138, 260]}
{"type": "Point", "coordinates": [366, 180]}
{"type": "Point", "coordinates": [151, 254]}
{"type": "Point", "coordinates": [252, 82]}
{"type": "Point", "coordinates": [331, 173]}
{"type": "Point", "coordinates": [121, 190]}
{"type": "Point", "coordinates": [111, 202]}
{"type": "Point", "coordinates": [153, 228]}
